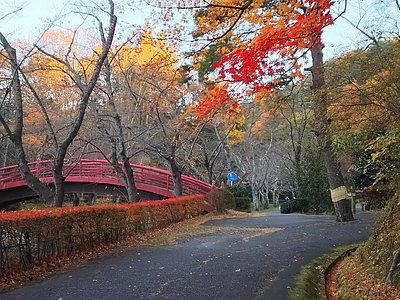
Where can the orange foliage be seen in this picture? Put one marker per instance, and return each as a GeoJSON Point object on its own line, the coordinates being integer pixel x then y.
{"type": "Point", "coordinates": [23, 215]}
{"type": "Point", "coordinates": [215, 98]}
{"type": "Point", "coordinates": [289, 28]}
{"type": "Point", "coordinates": [262, 60]}
{"type": "Point", "coordinates": [57, 232]}
{"type": "Point", "coordinates": [350, 114]}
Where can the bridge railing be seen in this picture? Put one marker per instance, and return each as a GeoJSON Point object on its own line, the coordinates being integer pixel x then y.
{"type": "Point", "coordinates": [100, 171]}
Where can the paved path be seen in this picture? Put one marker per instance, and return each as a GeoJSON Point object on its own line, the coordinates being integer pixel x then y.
{"type": "Point", "coordinates": [217, 266]}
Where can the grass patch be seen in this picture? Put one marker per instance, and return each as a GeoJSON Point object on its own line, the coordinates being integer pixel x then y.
{"type": "Point", "coordinates": [310, 282]}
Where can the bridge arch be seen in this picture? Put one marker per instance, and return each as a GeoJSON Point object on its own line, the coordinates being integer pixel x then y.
{"type": "Point", "coordinates": [95, 175]}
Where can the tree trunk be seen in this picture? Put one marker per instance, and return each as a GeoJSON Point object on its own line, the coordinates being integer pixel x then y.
{"type": "Point", "coordinates": [176, 178]}
{"type": "Point", "coordinates": [208, 166]}
{"type": "Point", "coordinates": [89, 198]}
{"type": "Point", "coordinates": [118, 143]}
{"type": "Point", "coordinates": [42, 190]}
{"type": "Point", "coordinates": [59, 190]}
{"type": "Point", "coordinates": [336, 182]}
{"type": "Point", "coordinates": [4, 162]}
{"type": "Point", "coordinates": [86, 92]}
{"type": "Point", "coordinates": [275, 200]}
{"type": "Point", "coordinates": [133, 194]}
{"type": "Point", "coordinates": [210, 176]}
{"type": "Point", "coordinates": [75, 199]}
{"type": "Point", "coordinates": [265, 199]}
{"type": "Point", "coordinates": [298, 177]}
{"type": "Point", "coordinates": [124, 173]}
{"type": "Point", "coordinates": [256, 200]}
{"type": "Point", "coordinates": [15, 136]}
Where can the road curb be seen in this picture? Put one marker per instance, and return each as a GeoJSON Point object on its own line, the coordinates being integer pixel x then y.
{"type": "Point", "coordinates": [338, 259]}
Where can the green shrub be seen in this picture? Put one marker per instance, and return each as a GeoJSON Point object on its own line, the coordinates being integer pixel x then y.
{"type": "Point", "coordinates": [240, 191]}
{"type": "Point", "coordinates": [294, 205]}
{"type": "Point", "coordinates": [288, 207]}
{"type": "Point", "coordinates": [221, 199]}
{"type": "Point", "coordinates": [313, 185]}
{"type": "Point", "coordinates": [243, 203]}
{"type": "Point", "coordinates": [242, 196]}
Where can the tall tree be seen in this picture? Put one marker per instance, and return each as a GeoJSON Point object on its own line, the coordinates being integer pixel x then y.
{"type": "Point", "coordinates": [14, 130]}
{"type": "Point", "coordinates": [85, 85]}
{"type": "Point", "coordinates": [273, 37]}
{"type": "Point", "coordinates": [117, 140]}
{"type": "Point", "coordinates": [365, 110]}
{"type": "Point", "coordinates": [150, 110]}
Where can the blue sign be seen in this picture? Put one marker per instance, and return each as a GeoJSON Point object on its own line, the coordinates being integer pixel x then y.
{"type": "Point", "coordinates": [232, 176]}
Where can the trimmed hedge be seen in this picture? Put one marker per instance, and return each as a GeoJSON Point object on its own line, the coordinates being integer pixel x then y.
{"type": "Point", "coordinates": [221, 199]}
{"type": "Point", "coordinates": [243, 197]}
{"type": "Point", "coordinates": [240, 191]}
{"type": "Point", "coordinates": [293, 205]}
{"type": "Point", "coordinates": [33, 237]}
{"type": "Point", "coordinates": [243, 203]}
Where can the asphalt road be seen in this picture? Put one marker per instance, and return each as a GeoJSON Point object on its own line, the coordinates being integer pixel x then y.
{"type": "Point", "coordinates": [224, 265]}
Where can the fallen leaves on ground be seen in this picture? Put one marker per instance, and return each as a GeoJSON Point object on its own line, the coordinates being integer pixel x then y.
{"type": "Point", "coordinates": [355, 283]}
{"type": "Point", "coordinates": [331, 285]}
{"type": "Point", "coordinates": [194, 227]}
{"type": "Point", "coordinates": [164, 236]}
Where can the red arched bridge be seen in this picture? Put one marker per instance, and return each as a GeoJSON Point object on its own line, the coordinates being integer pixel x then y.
{"type": "Point", "coordinates": [95, 176]}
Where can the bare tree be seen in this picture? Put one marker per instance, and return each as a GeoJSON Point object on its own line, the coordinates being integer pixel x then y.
{"type": "Point", "coordinates": [14, 131]}
{"type": "Point", "coordinates": [61, 144]}
{"type": "Point", "coordinates": [173, 141]}
{"type": "Point", "coordinates": [117, 140]}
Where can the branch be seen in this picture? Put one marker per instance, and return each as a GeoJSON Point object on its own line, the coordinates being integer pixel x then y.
{"type": "Point", "coordinates": [372, 38]}
{"type": "Point", "coordinates": [2, 119]}
{"type": "Point", "coordinates": [42, 108]}
{"type": "Point", "coordinates": [10, 13]}
{"type": "Point", "coordinates": [16, 87]}
{"type": "Point", "coordinates": [342, 12]}
{"type": "Point", "coordinates": [77, 78]}
{"type": "Point", "coordinates": [199, 130]}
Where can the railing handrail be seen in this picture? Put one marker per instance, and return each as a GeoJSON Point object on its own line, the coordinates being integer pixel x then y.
{"type": "Point", "coordinates": [86, 168]}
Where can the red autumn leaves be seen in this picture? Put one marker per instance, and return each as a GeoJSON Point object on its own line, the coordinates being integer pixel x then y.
{"type": "Point", "coordinates": [289, 30]}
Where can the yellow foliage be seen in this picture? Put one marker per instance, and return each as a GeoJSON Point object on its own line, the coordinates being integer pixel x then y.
{"type": "Point", "coordinates": [33, 139]}
{"type": "Point", "coordinates": [47, 71]}
{"type": "Point", "coordinates": [236, 136]}
{"type": "Point", "coordinates": [151, 51]}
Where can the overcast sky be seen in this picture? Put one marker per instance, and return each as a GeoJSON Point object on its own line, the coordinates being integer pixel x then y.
{"type": "Point", "coordinates": [31, 20]}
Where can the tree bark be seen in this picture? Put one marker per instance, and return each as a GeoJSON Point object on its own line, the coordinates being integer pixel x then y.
{"type": "Point", "coordinates": [335, 178]}
{"type": "Point", "coordinates": [128, 174]}
{"type": "Point", "coordinates": [176, 178]}
{"type": "Point", "coordinates": [133, 194]}
{"type": "Point", "coordinates": [207, 165]}
{"type": "Point", "coordinates": [255, 198]}
{"type": "Point", "coordinates": [86, 91]}
{"type": "Point", "coordinates": [75, 199]}
{"type": "Point", "coordinates": [58, 185]}
{"type": "Point", "coordinates": [15, 136]}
